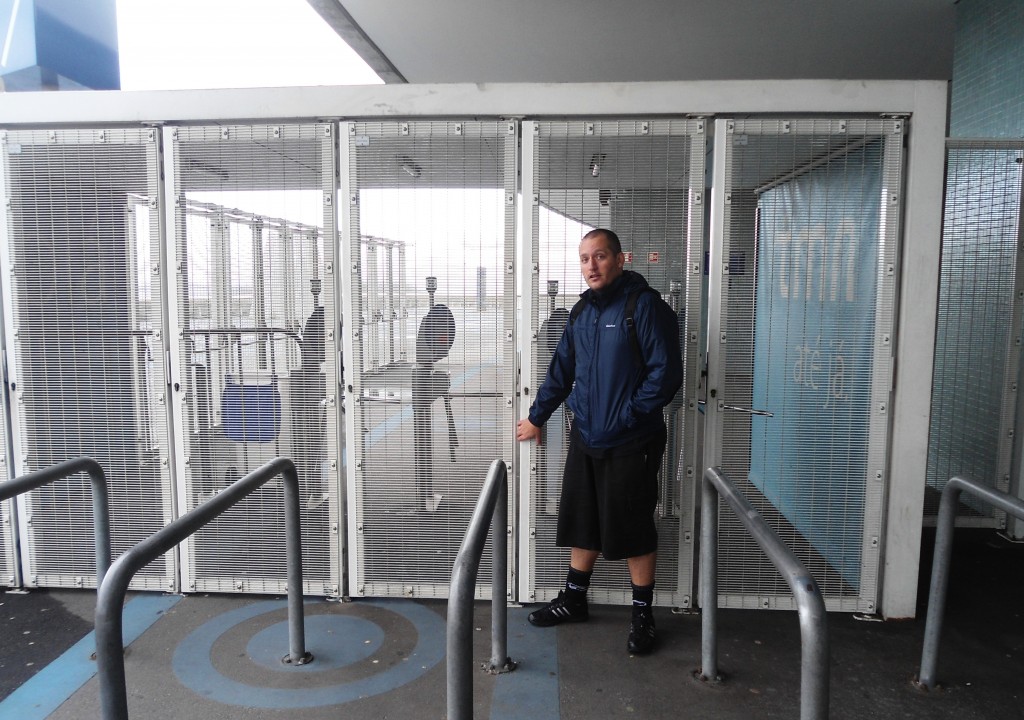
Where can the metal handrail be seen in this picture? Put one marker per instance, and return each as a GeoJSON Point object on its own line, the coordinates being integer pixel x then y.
{"type": "Point", "coordinates": [491, 509]}
{"type": "Point", "coordinates": [109, 638]}
{"type": "Point", "coordinates": [100, 502]}
{"type": "Point", "coordinates": [941, 559]}
{"type": "Point", "coordinates": [814, 662]}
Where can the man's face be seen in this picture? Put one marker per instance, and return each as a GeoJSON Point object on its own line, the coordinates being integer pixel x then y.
{"type": "Point", "coordinates": [599, 265]}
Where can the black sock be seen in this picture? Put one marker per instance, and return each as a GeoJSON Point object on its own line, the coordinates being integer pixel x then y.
{"type": "Point", "coordinates": [577, 583]}
{"type": "Point", "coordinates": [643, 596]}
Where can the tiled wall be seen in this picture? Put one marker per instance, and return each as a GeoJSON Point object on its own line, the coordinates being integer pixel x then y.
{"type": "Point", "coordinates": [988, 69]}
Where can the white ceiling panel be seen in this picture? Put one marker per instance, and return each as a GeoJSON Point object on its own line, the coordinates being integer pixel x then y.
{"type": "Point", "coordinates": [456, 41]}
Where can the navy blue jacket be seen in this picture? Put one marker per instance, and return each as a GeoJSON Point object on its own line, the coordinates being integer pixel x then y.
{"type": "Point", "coordinates": [614, 400]}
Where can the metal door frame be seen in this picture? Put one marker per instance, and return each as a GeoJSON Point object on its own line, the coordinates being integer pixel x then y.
{"type": "Point", "coordinates": [884, 352]}
{"type": "Point", "coordinates": [146, 139]}
{"type": "Point", "coordinates": [175, 220]}
{"type": "Point", "coordinates": [10, 560]}
{"type": "Point", "coordinates": [350, 282]}
{"type": "Point", "coordinates": [527, 269]}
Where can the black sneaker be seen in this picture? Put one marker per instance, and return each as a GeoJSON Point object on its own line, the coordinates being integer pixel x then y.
{"type": "Point", "coordinates": [641, 632]}
{"type": "Point", "coordinates": [559, 611]}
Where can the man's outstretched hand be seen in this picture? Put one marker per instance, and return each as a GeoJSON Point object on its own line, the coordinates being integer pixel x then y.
{"type": "Point", "coordinates": [526, 430]}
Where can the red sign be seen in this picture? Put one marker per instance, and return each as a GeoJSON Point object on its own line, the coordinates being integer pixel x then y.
{"type": "Point", "coordinates": [629, 256]}
{"type": "Point", "coordinates": [652, 257]}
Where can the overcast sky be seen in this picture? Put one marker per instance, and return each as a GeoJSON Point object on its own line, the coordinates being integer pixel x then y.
{"type": "Point", "coordinates": [194, 44]}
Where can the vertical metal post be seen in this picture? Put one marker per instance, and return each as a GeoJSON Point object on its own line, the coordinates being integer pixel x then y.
{"type": "Point", "coordinates": [814, 649]}
{"type": "Point", "coordinates": [110, 599]}
{"type": "Point", "coordinates": [939, 584]}
{"type": "Point", "coordinates": [941, 560]}
{"type": "Point", "coordinates": [1015, 525]}
{"type": "Point", "coordinates": [297, 654]}
{"type": "Point", "coordinates": [348, 288]}
{"type": "Point", "coordinates": [423, 397]}
{"type": "Point", "coordinates": [709, 580]}
{"type": "Point", "coordinates": [100, 518]}
{"type": "Point", "coordinates": [491, 509]}
{"type": "Point", "coordinates": [718, 290]}
{"type": "Point", "coordinates": [499, 581]}
{"type": "Point", "coordinates": [259, 299]}
{"type": "Point", "coordinates": [460, 646]}
{"type": "Point", "coordinates": [109, 643]}
{"type": "Point", "coordinates": [814, 664]}
{"type": "Point", "coordinates": [527, 278]}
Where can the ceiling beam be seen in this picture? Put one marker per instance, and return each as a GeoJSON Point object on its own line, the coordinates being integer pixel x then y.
{"type": "Point", "coordinates": [335, 15]}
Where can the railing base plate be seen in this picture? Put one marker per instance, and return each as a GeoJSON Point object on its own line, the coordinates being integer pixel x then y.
{"type": "Point", "coordinates": [507, 667]}
{"type": "Point", "coordinates": [306, 659]}
{"type": "Point", "coordinates": [702, 679]}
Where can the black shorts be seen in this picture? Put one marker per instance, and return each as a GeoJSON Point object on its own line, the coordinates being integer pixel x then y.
{"type": "Point", "coordinates": [608, 499]}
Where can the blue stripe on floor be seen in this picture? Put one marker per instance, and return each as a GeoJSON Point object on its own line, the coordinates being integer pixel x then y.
{"type": "Point", "coordinates": [531, 690]}
{"type": "Point", "coordinates": [53, 685]}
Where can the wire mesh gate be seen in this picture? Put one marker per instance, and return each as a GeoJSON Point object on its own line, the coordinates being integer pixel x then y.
{"type": "Point", "coordinates": [10, 568]}
{"type": "Point", "coordinates": [801, 322]}
{"type": "Point", "coordinates": [645, 180]}
{"type": "Point", "coordinates": [426, 274]}
{"type": "Point", "coordinates": [9, 574]}
{"type": "Point", "coordinates": [83, 321]}
{"type": "Point", "coordinates": [255, 358]}
{"type": "Point", "coordinates": [430, 371]}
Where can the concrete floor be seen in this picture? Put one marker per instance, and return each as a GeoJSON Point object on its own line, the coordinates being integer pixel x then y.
{"type": "Point", "coordinates": [219, 656]}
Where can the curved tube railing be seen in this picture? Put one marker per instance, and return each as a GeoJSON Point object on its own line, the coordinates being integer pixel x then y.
{"type": "Point", "coordinates": [940, 563]}
{"type": "Point", "coordinates": [109, 639]}
{"type": "Point", "coordinates": [814, 660]}
{"type": "Point", "coordinates": [100, 502]}
{"type": "Point", "coordinates": [491, 509]}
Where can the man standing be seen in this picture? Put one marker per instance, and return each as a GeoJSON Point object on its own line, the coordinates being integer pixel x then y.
{"type": "Point", "coordinates": [617, 366]}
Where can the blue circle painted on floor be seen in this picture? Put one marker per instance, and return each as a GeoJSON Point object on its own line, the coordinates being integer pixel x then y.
{"type": "Point", "coordinates": [194, 666]}
{"type": "Point", "coordinates": [340, 640]}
